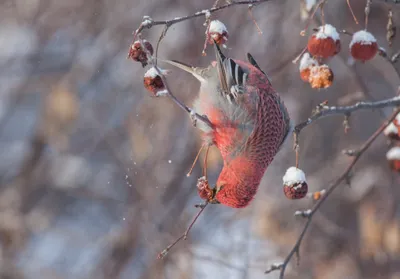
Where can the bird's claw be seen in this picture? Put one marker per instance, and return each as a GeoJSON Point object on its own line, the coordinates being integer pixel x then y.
{"type": "Point", "coordinates": [193, 117]}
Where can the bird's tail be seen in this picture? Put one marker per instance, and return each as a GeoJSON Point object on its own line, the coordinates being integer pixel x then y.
{"type": "Point", "coordinates": [195, 71]}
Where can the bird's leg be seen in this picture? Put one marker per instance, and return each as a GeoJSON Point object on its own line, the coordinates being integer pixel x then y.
{"type": "Point", "coordinates": [195, 160]}
{"type": "Point", "coordinates": [205, 162]}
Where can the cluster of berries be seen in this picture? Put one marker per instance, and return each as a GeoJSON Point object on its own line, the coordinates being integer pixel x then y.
{"type": "Point", "coordinates": [392, 131]}
{"type": "Point", "coordinates": [325, 43]}
{"type": "Point", "coordinates": [140, 50]}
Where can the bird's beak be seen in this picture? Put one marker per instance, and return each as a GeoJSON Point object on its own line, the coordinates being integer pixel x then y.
{"type": "Point", "coordinates": [214, 200]}
{"type": "Point", "coordinates": [218, 53]}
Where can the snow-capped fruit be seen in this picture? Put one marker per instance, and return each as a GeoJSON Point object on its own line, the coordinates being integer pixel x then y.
{"type": "Point", "coordinates": [363, 46]}
{"type": "Point", "coordinates": [306, 63]}
{"type": "Point", "coordinates": [137, 53]}
{"type": "Point", "coordinates": [393, 157]}
{"type": "Point", "coordinates": [392, 131]}
{"type": "Point", "coordinates": [204, 190]}
{"type": "Point", "coordinates": [325, 42]}
{"type": "Point", "coordinates": [294, 184]}
{"type": "Point", "coordinates": [320, 77]}
{"type": "Point", "coordinates": [217, 31]}
{"type": "Point", "coordinates": [153, 82]}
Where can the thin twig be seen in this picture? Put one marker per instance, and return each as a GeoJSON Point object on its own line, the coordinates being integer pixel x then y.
{"type": "Point", "coordinates": [309, 213]}
{"type": "Point", "coordinates": [352, 13]}
{"type": "Point", "coordinates": [390, 28]}
{"type": "Point", "coordinates": [250, 10]}
{"type": "Point", "coordinates": [195, 160]}
{"type": "Point", "coordinates": [320, 4]}
{"type": "Point", "coordinates": [367, 11]}
{"type": "Point", "coordinates": [152, 61]}
{"type": "Point", "coordinates": [164, 252]}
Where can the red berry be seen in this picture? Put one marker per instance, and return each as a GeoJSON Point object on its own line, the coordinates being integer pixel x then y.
{"type": "Point", "coordinates": [204, 190]}
{"type": "Point", "coordinates": [153, 82]}
{"type": "Point", "coordinates": [296, 191]}
{"type": "Point", "coordinates": [363, 46]}
{"type": "Point", "coordinates": [306, 63]}
{"type": "Point", "coordinates": [294, 183]}
{"type": "Point", "coordinates": [392, 131]}
{"type": "Point", "coordinates": [393, 157]}
{"type": "Point", "coordinates": [137, 53]}
{"type": "Point", "coordinates": [325, 42]}
{"type": "Point", "coordinates": [217, 31]}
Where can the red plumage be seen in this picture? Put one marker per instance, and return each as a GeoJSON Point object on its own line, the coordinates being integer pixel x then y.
{"type": "Point", "coordinates": [250, 123]}
{"type": "Point", "coordinates": [245, 164]}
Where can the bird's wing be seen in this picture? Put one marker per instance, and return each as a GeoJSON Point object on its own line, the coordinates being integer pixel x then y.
{"type": "Point", "coordinates": [237, 100]}
{"type": "Point", "coordinates": [288, 122]}
{"type": "Point", "coordinates": [232, 77]}
{"type": "Point", "coordinates": [255, 64]}
{"type": "Point", "coordinates": [286, 119]}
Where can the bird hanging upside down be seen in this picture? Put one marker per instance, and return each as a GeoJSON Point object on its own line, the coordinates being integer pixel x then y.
{"type": "Point", "coordinates": [249, 123]}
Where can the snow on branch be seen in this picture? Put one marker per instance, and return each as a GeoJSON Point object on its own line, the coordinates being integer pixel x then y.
{"type": "Point", "coordinates": [148, 22]}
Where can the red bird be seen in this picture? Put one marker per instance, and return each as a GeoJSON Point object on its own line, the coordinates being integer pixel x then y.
{"type": "Point", "coordinates": [249, 125]}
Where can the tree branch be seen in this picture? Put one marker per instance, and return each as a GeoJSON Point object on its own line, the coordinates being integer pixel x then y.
{"type": "Point", "coordinates": [309, 213]}
{"type": "Point", "coordinates": [148, 22]}
{"type": "Point", "coordinates": [323, 110]}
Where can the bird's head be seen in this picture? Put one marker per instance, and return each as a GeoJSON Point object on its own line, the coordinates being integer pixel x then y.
{"type": "Point", "coordinates": [237, 183]}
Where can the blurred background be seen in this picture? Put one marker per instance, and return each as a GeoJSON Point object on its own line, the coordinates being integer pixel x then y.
{"type": "Point", "coordinates": [93, 169]}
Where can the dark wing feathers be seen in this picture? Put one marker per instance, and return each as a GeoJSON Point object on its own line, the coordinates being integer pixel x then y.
{"type": "Point", "coordinates": [221, 69]}
{"type": "Point", "coordinates": [232, 77]}
{"type": "Point", "coordinates": [254, 63]}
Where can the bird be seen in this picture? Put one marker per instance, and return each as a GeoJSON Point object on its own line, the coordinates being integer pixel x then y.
{"type": "Point", "coordinates": [249, 125]}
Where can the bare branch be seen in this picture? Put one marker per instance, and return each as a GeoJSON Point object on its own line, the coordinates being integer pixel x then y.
{"type": "Point", "coordinates": [164, 252]}
{"type": "Point", "coordinates": [324, 111]}
{"type": "Point", "coordinates": [309, 213]}
{"type": "Point", "coordinates": [148, 22]}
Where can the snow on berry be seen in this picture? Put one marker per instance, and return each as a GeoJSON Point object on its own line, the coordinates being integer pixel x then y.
{"type": "Point", "coordinates": [320, 77]}
{"type": "Point", "coordinates": [217, 31]}
{"type": "Point", "coordinates": [325, 42]}
{"type": "Point", "coordinates": [363, 46]}
{"type": "Point", "coordinates": [393, 156]}
{"type": "Point", "coordinates": [153, 81]}
{"type": "Point", "coordinates": [203, 189]}
{"type": "Point", "coordinates": [294, 183]}
{"type": "Point", "coordinates": [306, 63]}
{"type": "Point", "coordinates": [392, 131]}
{"type": "Point", "coordinates": [137, 53]}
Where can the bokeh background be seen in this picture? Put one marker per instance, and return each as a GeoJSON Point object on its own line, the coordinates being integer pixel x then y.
{"type": "Point", "coordinates": [93, 169]}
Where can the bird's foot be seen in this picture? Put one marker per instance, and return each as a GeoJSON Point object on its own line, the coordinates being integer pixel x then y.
{"type": "Point", "coordinates": [193, 117]}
